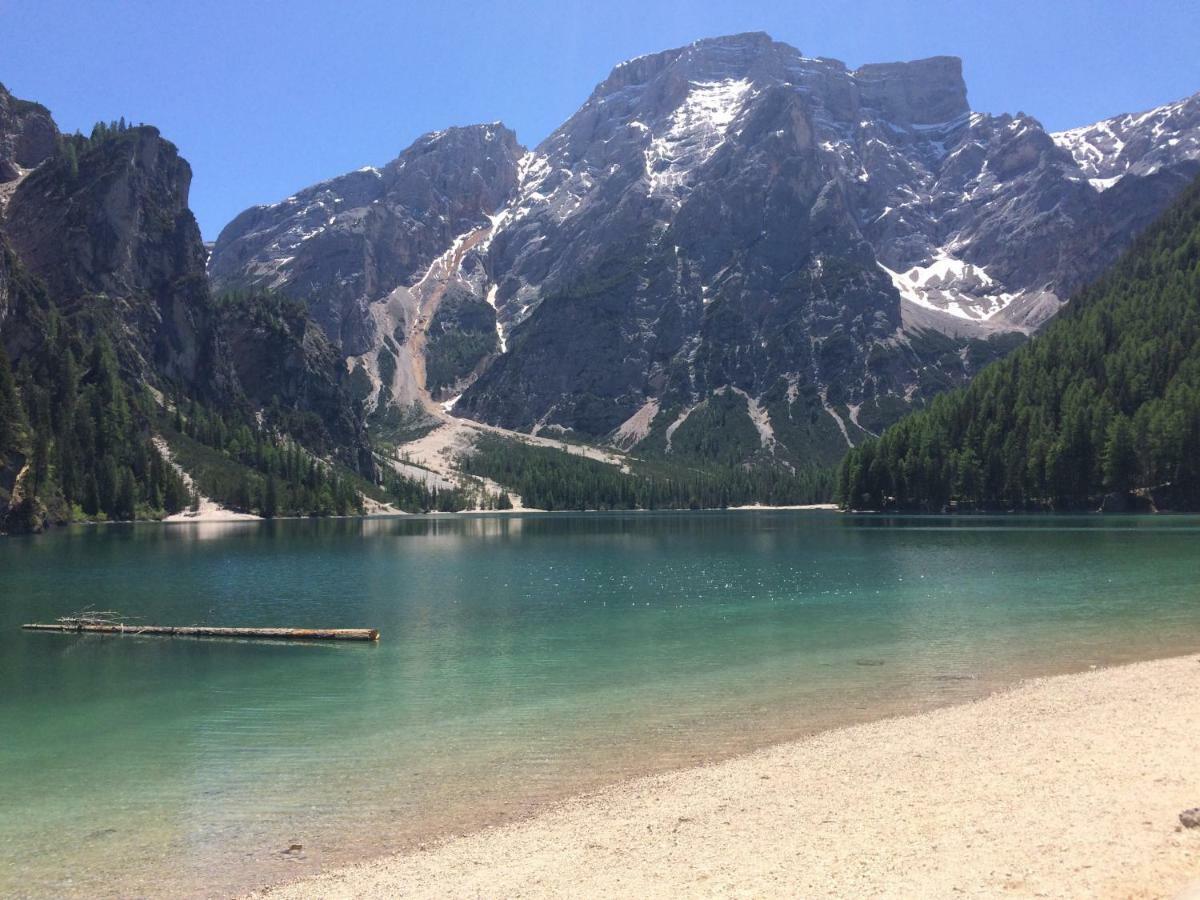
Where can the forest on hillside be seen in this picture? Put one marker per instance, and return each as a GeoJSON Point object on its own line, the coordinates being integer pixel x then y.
{"type": "Point", "coordinates": [551, 479]}
{"type": "Point", "coordinates": [1103, 407]}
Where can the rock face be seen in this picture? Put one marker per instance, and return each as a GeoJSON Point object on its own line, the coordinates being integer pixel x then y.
{"type": "Point", "coordinates": [100, 231]}
{"type": "Point", "coordinates": [111, 220]}
{"type": "Point", "coordinates": [345, 243]}
{"type": "Point", "coordinates": [720, 215]}
{"type": "Point", "coordinates": [275, 357]}
{"type": "Point", "coordinates": [28, 135]}
{"type": "Point", "coordinates": [729, 236]}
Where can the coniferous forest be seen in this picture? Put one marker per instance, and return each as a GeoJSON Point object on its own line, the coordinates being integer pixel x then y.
{"type": "Point", "coordinates": [1103, 407]}
{"type": "Point", "coordinates": [551, 479]}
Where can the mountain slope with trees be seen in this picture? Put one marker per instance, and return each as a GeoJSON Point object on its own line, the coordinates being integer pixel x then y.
{"type": "Point", "coordinates": [1102, 408]}
{"type": "Point", "coordinates": [111, 342]}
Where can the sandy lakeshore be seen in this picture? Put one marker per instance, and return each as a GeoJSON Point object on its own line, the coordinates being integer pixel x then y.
{"type": "Point", "coordinates": [1061, 787]}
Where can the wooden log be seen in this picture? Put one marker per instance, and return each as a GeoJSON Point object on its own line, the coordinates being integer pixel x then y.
{"type": "Point", "coordinates": [268, 634]}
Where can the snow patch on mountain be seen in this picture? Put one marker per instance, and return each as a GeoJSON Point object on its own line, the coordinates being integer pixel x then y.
{"type": "Point", "coordinates": [696, 130]}
{"type": "Point", "coordinates": [952, 286]}
{"type": "Point", "coordinates": [1138, 143]}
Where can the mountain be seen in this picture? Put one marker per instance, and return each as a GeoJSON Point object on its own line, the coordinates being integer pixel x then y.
{"type": "Point", "coordinates": [109, 219]}
{"type": "Point", "coordinates": [107, 320]}
{"type": "Point", "coordinates": [345, 243]}
{"type": "Point", "coordinates": [730, 265]}
{"type": "Point", "coordinates": [731, 251]}
{"type": "Point", "coordinates": [1101, 409]}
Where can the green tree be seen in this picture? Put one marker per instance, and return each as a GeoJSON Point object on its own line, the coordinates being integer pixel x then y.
{"type": "Point", "coordinates": [270, 507]}
{"type": "Point", "coordinates": [125, 502]}
{"type": "Point", "coordinates": [1120, 456]}
{"type": "Point", "coordinates": [12, 415]}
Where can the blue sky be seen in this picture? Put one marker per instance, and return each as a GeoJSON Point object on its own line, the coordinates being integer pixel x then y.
{"type": "Point", "coordinates": [265, 97]}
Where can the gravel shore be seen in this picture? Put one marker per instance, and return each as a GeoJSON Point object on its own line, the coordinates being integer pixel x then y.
{"type": "Point", "coordinates": [1061, 787]}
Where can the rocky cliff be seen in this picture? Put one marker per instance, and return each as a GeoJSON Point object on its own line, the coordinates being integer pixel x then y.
{"type": "Point", "coordinates": [106, 225]}
{"type": "Point", "coordinates": [343, 244]}
{"type": "Point", "coordinates": [28, 135]}
{"type": "Point", "coordinates": [98, 237]}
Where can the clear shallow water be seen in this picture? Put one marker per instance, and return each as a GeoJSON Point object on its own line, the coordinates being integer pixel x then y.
{"type": "Point", "coordinates": [523, 659]}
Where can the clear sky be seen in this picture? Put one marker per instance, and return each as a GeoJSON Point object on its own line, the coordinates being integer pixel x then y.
{"type": "Point", "coordinates": [265, 97]}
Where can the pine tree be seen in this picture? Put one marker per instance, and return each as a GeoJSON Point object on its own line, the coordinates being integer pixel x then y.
{"type": "Point", "coordinates": [12, 415]}
{"type": "Point", "coordinates": [270, 506]}
{"type": "Point", "coordinates": [125, 502]}
{"type": "Point", "coordinates": [1120, 456]}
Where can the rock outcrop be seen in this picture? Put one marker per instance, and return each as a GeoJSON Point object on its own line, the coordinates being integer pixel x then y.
{"type": "Point", "coordinates": [100, 232]}
{"type": "Point", "coordinates": [108, 226]}
{"type": "Point", "coordinates": [28, 135]}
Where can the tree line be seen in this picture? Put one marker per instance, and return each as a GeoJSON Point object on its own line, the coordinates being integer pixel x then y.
{"type": "Point", "coordinates": [552, 479]}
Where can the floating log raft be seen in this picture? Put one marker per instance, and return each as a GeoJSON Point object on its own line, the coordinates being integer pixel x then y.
{"type": "Point", "coordinates": [266, 634]}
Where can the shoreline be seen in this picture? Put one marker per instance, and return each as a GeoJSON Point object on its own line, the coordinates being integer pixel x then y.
{"type": "Point", "coordinates": [229, 516]}
{"type": "Point", "coordinates": [1068, 785]}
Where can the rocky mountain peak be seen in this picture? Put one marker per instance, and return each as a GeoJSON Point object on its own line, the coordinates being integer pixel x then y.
{"type": "Point", "coordinates": [476, 163]}
{"type": "Point", "coordinates": [129, 188]}
{"type": "Point", "coordinates": [733, 56]}
{"type": "Point", "coordinates": [105, 224]}
{"type": "Point", "coordinates": [923, 92]}
{"type": "Point", "coordinates": [345, 243]}
{"type": "Point", "coordinates": [1137, 144]}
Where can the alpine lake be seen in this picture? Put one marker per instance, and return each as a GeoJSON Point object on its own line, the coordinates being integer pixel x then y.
{"type": "Point", "coordinates": [524, 658]}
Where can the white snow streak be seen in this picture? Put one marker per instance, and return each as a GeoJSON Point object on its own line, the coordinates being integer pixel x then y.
{"type": "Point", "coordinates": [491, 299]}
{"type": "Point", "coordinates": [696, 130]}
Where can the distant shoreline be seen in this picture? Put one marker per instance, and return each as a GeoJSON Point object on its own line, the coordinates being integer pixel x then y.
{"type": "Point", "coordinates": [230, 517]}
{"type": "Point", "coordinates": [1067, 786]}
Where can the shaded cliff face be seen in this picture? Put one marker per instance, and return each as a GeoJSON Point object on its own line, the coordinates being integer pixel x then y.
{"type": "Point", "coordinates": [107, 226]}
{"type": "Point", "coordinates": [277, 359]}
{"type": "Point", "coordinates": [103, 228]}
{"type": "Point", "coordinates": [28, 135]}
{"type": "Point", "coordinates": [345, 243]}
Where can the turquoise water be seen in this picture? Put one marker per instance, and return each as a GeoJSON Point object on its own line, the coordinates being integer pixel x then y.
{"type": "Point", "coordinates": [523, 658]}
